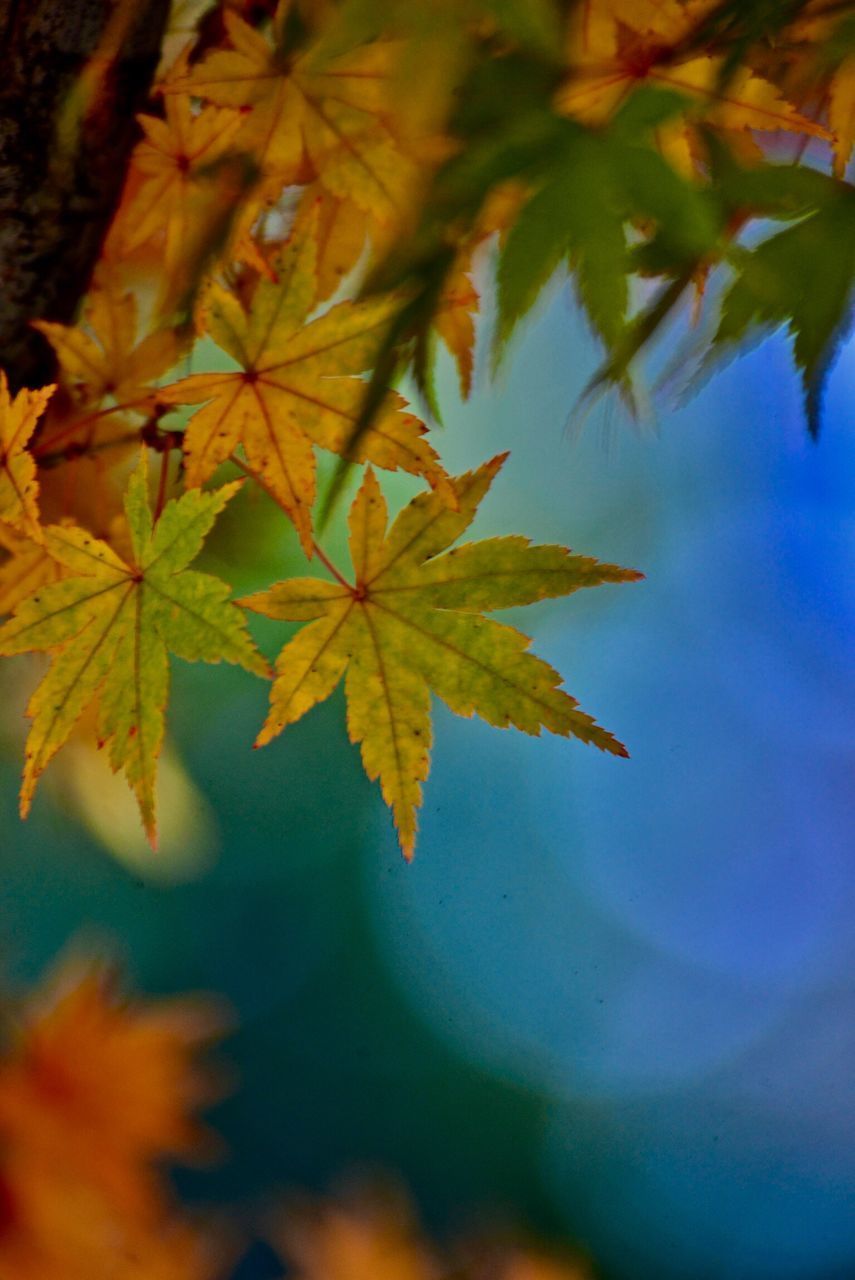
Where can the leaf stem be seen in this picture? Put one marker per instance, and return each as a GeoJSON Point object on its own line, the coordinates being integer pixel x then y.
{"type": "Point", "coordinates": [325, 560]}
{"type": "Point", "coordinates": [71, 452]}
{"type": "Point", "coordinates": [316, 547]}
{"type": "Point", "coordinates": [253, 475]}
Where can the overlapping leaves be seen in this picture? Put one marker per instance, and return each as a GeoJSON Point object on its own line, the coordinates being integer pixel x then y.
{"type": "Point", "coordinates": [330, 114]}
{"type": "Point", "coordinates": [301, 146]}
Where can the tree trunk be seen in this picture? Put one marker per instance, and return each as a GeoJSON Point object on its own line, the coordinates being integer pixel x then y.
{"type": "Point", "coordinates": [73, 74]}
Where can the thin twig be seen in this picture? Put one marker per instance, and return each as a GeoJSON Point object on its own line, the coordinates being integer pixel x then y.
{"type": "Point", "coordinates": [70, 427]}
{"type": "Point", "coordinates": [72, 452]}
{"type": "Point", "coordinates": [162, 485]}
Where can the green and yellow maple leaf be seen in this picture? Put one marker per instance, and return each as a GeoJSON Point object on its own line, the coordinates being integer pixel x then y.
{"type": "Point", "coordinates": [109, 625]}
{"type": "Point", "coordinates": [295, 389]}
{"type": "Point", "coordinates": [411, 622]}
{"type": "Point", "coordinates": [19, 487]}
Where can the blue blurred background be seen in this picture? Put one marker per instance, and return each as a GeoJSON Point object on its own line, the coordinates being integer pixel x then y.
{"type": "Point", "coordinates": [611, 1000]}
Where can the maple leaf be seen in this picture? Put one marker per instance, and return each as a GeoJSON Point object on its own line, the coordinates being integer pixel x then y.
{"type": "Point", "coordinates": [292, 390]}
{"type": "Point", "coordinates": [841, 114]}
{"type": "Point", "coordinates": [411, 623]}
{"type": "Point", "coordinates": [790, 279]}
{"type": "Point", "coordinates": [106, 372]}
{"type": "Point", "coordinates": [618, 44]}
{"type": "Point", "coordinates": [102, 357]}
{"type": "Point", "coordinates": [833, 45]}
{"type": "Point", "coordinates": [19, 487]}
{"type": "Point", "coordinates": [83, 1051]}
{"type": "Point", "coordinates": [109, 625]}
{"type": "Point", "coordinates": [328, 111]}
{"type": "Point", "coordinates": [339, 229]}
{"type": "Point", "coordinates": [173, 162]}
{"type": "Point", "coordinates": [459, 302]}
{"type": "Point", "coordinates": [455, 324]}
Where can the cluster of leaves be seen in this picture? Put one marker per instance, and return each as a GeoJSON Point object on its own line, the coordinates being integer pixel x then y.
{"type": "Point", "coordinates": [99, 1089]}
{"type": "Point", "coordinates": [311, 186]}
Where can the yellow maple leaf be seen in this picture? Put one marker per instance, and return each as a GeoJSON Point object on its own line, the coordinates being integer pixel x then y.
{"type": "Point", "coordinates": [295, 389]}
{"type": "Point", "coordinates": [410, 622]}
{"type": "Point", "coordinates": [106, 373]}
{"type": "Point", "coordinates": [103, 356]}
{"type": "Point", "coordinates": [340, 230]}
{"type": "Point", "coordinates": [309, 108]}
{"type": "Point", "coordinates": [19, 488]}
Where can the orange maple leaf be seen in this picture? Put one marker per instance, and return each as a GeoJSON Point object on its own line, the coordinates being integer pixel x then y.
{"type": "Point", "coordinates": [173, 165]}
{"type": "Point", "coordinates": [617, 44]}
{"type": "Point", "coordinates": [104, 1087]}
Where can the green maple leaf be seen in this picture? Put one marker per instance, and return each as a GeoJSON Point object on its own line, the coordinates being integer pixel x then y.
{"type": "Point", "coordinates": [110, 624]}
{"type": "Point", "coordinates": [802, 277]}
{"type": "Point", "coordinates": [412, 622]}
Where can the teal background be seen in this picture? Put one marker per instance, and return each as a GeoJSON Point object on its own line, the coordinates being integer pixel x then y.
{"type": "Point", "coordinates": [611, 1000]}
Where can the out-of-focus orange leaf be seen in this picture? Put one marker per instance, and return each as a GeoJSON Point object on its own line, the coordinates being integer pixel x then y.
{"type": "Point", "coordinates": [103, 1086]}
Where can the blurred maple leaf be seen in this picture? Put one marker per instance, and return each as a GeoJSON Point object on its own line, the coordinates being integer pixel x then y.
{"type": "Point", "coordinates": [96, 1089]}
